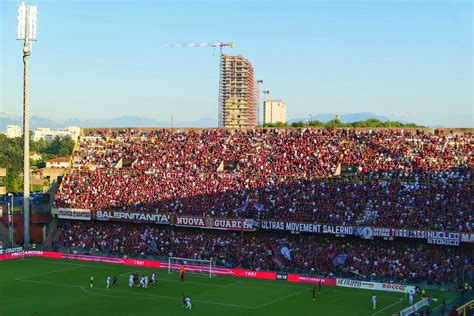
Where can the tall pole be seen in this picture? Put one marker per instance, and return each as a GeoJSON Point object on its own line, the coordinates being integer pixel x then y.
{"type": "Point", "coordinates": [10, 217]}
{"type": "Point", "coordinates": [265, 94]}
{"type": "Point", "coordinates": [26, 139]}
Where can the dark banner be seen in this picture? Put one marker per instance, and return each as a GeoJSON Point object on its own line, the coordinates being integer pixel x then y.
{"type": "Point", "coordinates": [365, 232]}
{"type": "Point", "coordinates": [369, 232]}
{"type": "Point", "coordinates": [307, 227]}
{"type": "Point", "coordinates": [215, 223]}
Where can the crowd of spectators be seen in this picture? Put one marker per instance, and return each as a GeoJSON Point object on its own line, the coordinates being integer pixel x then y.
{"type": "Point", "coordinates": [398, 178]}
{"type": "Point", "coordinates": [401, 260]}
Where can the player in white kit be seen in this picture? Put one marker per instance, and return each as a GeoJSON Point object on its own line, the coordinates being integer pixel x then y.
{"type": "Point", "coordinates": [146, 281]}
{"type": "Point", "coordinates": [153, 279]}
{"type": "Point", "coordinates": [374, 301]}
{"type": "Point", "coordinates": [108, 281]}
{"type": "Point", "coordinates": [411, 294]}
{"type": "Point", "coordinates": [188, 303]}
{"type": "Point", "coordinates": [130, 280]}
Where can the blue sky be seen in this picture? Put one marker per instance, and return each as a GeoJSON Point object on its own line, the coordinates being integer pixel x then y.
{"type": "Point", "coordinates": [409, 60]}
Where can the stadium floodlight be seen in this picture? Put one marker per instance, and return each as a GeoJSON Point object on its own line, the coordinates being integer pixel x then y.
{"type": "Point", "coordinates": [27, 22]}
{"type": "Point", "coordinates": [26, 31]}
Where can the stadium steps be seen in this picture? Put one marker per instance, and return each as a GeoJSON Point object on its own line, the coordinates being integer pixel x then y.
{"type": "Point", "coordinates": [4, 235]}
{"type": "Point", "coordinates": [52, 234]}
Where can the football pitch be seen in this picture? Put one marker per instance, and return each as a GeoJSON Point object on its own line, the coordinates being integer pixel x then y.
{"type": "Point", "coordinates": [61, 287]}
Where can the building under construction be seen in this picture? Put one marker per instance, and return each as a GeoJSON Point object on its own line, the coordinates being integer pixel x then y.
{"type": "Point", "coordinates": [237, 99]}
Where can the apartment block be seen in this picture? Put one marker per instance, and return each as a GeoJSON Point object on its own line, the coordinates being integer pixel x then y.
{"type": "Point", "coordinates": [237, 99]}
{"type": "Point", "coordinates": [274, 111]}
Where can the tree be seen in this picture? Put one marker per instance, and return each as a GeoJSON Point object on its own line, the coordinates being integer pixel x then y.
{"type": "Point", "coordinates": [11, 156]}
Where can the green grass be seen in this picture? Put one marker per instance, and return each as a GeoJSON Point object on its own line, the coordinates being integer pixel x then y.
{"type": "Point", "coordinates": [61, 287]}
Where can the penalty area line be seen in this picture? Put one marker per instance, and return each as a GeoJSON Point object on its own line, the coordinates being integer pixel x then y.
{"type": "Point", "coordinates": [49, 272]}
{"type": "Point", "coordinates": [282, 298]}
{"type": "Point", "coordinates": [138, 293]}
{"type": "Point", "coordinates": [396, 303]}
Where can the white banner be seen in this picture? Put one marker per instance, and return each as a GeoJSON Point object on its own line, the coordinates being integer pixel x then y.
{"type": "Point", "coordinates": [74, 213]}
{"type": "Point", "coordinates": [412, 309]}
{"type": "Point", "coordinates": [388, 287]}
{"type": "Point", "coordinates": [11, 250]}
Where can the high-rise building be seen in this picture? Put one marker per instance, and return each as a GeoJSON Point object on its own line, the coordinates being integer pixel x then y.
{"type": "Point", "coordinates": [237, 99]}
{"type": "Point", "coordinates": [274, 111]}
{"type": "Point", "coordinates": [13, 131]}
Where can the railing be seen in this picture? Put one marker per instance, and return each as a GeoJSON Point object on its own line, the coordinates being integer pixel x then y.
{"type": "Point", "coordinates": [461, 305]}
{"type": "Point", "coordinates": [465, 308]}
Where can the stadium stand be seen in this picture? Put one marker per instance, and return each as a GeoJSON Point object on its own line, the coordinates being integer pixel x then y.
{"type": "Point", "coordinates": [399, 178]}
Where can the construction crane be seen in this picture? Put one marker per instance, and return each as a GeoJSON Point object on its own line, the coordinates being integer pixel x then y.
{"type": "Point", "coordinates": [221, 46]}
{"type": "Point", "coordinates": [218, 44]}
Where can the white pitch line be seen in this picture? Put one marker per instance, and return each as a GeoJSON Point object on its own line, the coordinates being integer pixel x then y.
{"type": "Point", "coordinates": [127, 273]}
{"type": "Point", "coordinates": [196, 283]}
{"type": "Point", "coordinates": [78, 264]}
{"type": "Point", "coordinates": [362, 294]}
{"type": "Point", "coordinates": [107, 295]}
{"type": "Point", "coordinates": [231, 284]}
{"type": "Point", "coordinates": [49, 283]}
{"type": "Point", "coordinates": [143, 294]}
{"type": "Point", "coordinates": [186, 282]}
{"type": "Point", "coordinates": [205, 284]}
{"type": "Point", "coordinates": [49, 272]}
{"type": "Point", "coordinates": [396, 303]}
{"type": "Point", "coordinates": [280, 299]}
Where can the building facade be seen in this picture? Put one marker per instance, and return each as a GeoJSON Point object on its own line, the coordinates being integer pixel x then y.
{"type": "Point", "coordinates": [48, 134]}
{"type": "Point", "coordinates": [274, 111]}
{"type": "Point", "coordinates": [237, 99]}
{"type": "Point", "coordinates": [58, 162]}
{"type": "Point", "coordinates": [13, 131]}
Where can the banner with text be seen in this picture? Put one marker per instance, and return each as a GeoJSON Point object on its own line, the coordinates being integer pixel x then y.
{"type": "Point", "coordinates": [215, 223]}
{"type": "Point", "coordinates": [136, 217]}
{"type": "Point", "coordinates": [369, 232]}
{"type": "Point", "coordinates": [310, 279]}
{"type": "Point", "coordinates": [307, 227]}
{"type": "Point", "coordinates": [74, 213]}
{"type": "Point", "coordinates": [389, 287]}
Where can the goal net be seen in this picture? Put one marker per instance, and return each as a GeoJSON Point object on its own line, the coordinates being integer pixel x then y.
{"type": "Point", "coordinates": [191, 265]}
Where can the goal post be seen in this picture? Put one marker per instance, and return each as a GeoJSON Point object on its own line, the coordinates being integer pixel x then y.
{"type": "Point", "coordinates": [191, 265]}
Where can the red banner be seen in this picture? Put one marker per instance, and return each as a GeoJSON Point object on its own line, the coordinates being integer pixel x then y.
{"type": "Point", "coordinates": [310, 279]}
{"type": "Point", "coordinates": [253, 274]}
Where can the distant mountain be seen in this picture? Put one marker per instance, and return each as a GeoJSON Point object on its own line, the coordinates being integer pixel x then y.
{"type": "Point", "coordinates": [38, 121]}
{"type": "Point", "coordinates": [122, 121]}
{"type": "Point", "coordinates": [345, 118]}
{"type": "Point", "coordinates": [136, 121]}
{"type": "Point", "coordinates": [35, 121]}
{"type": "Point", "coordinates": [203, 122]}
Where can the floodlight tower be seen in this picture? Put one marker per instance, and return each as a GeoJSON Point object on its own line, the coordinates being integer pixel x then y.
{"type": "Point", "coordinates": [26, 31]}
